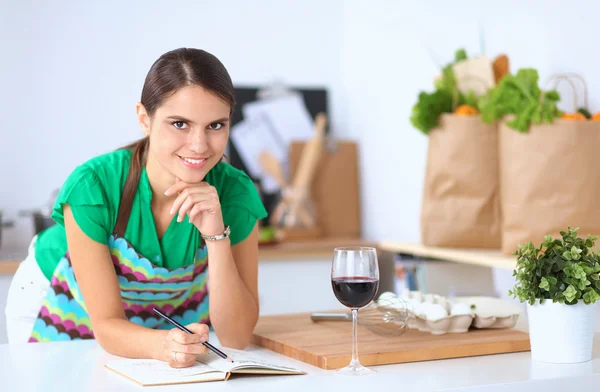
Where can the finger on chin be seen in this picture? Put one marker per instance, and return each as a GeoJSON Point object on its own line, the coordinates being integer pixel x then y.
{"type": "Point", "coordinates": [177, 187]}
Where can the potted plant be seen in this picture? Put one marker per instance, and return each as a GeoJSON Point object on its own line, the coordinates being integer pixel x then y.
{"type": "Point", "coordinates": [560, 283]}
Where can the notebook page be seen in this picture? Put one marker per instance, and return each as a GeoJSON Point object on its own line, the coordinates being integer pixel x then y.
{"type": "Point", "coordinates": [150, 372]}
{"type": "Point", "coordinates": [241, 359]}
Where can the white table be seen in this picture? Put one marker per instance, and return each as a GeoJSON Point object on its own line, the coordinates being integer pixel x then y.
{"type": "Point", "coordinates": [79, 366]}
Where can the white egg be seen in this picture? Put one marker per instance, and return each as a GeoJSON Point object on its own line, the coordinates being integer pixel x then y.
{"type": "Point", "coordinates": [391, 302]}
{"type": "Point", "coordinates": [460, 308]}
{"type": "Point", "coordinates": [435, 312]}
{"type": "Point", "coordinates": [444, 302]}
{"type": "Point", "coordinates": [429, 298]}
{"type": "Point", "coordinates": [413, 303]}
{"type": "Point", "coordinates": [419, 309]}
{"type": "Point", "coordinates": [406, 293]}
{"type": "Point", "coordinates": [401, 305]}
{"type": "Point", "coordinates": [387, 295]}
{"type": "Point", "coordinates": [417, 295]}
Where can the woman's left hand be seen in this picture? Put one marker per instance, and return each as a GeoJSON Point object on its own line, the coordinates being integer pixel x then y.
{"type": "Point", "coordinates": [201, 203]}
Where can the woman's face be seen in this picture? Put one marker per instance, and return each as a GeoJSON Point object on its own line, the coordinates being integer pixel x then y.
{"type": "Point", "coordinates": [189, 133]}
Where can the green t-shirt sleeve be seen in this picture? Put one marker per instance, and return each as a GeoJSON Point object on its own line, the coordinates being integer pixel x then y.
{"type": "Point", "coordinates": [84, 193]}
{"type": "Point", "coordinates": [242, 208]}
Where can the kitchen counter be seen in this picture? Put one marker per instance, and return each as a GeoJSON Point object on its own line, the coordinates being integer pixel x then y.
{"type": "Point", "coordinates": [10, 259]}
{"type": "Point", "coordinates": [301, 250]}
{"type": "Point", "coordinates": [8, 267]}
{"type": "Point", "coordinates": [32, 367]}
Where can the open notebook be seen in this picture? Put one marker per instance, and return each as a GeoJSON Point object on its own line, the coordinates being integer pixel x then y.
{"type": "Point", "coordinates": [209, 367]}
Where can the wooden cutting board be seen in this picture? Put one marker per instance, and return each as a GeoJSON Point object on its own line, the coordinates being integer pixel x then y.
{"type": "Point", "coordinates": [335, 188]}
{"type": "Point", "coordinates": [328, 344]}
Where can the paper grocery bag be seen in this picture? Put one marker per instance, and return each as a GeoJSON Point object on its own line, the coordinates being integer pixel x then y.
{"type": "Point", "coordinates": [460, 206]}
{"type": "Point", "coordinates": [549, 181]}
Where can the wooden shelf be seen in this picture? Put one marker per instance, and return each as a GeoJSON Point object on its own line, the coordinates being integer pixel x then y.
{"type": "Point", "coordinates": [10, 259]}
{"type": "Point", "coordinates": [482, 257]}
{"type": "Point", "coordinates": [8, 267]}
{"type": "Point", "coordinates": [317, 249]}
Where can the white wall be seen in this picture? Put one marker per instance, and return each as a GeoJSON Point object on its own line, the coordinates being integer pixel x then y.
{"type": "Point", "coordinates": [385, 65]}
{"type": "Point", "coordinates": [76, 69]}
{"type": "Point", "coordinates": [71, 72]}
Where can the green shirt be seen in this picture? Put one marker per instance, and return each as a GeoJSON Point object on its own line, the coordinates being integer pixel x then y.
{"type": "Point", "coordinates": [93, 190]}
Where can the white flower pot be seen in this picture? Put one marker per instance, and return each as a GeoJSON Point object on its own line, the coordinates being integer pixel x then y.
{"type": "Point", "coordinates": [561, 333]}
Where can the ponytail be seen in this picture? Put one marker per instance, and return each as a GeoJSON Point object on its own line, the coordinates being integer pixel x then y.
{"type": "Point", "coordinates": [140, 148]}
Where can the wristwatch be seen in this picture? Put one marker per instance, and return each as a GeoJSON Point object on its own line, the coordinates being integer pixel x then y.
{"type": "Point", "coordinates": [218, 236]}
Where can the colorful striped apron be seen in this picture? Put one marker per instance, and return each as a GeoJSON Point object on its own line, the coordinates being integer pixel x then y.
{"type": "Point", "coordinates": [181, 293]}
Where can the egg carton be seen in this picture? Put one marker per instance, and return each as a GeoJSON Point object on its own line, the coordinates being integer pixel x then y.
{"type": "Point", "coordinates": [434, 313]}
{"type": "Point", "coordinates": [449, 324]}
{"type": "Point", "coordinates": [490, 312]}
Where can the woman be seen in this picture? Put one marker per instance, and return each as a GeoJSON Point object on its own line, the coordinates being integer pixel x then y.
{"type": "Point", "coordinates": [137, 226]}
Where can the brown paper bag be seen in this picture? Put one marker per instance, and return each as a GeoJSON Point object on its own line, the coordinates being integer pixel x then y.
{"type": "Point", "coordinates": [460, 205]}
{"type": "Point", "coordinates": [549, 181]}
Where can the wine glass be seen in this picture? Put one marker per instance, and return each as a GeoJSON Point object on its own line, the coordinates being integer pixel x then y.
{"type": "Point", "coordinates": [355, 280]}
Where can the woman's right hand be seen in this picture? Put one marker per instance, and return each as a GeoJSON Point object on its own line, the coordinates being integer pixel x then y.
{"type": "Point", "coordinates": [180, 349]}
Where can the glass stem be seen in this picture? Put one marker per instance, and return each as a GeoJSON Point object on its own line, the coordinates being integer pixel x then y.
{"type": "Point", "coordinates": [355, 361]}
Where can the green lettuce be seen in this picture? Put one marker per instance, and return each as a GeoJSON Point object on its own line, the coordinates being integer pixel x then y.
{"type": "Point", "coordinates": [426, 112]}
{"type": "Point", "coordinates": [519, 95]}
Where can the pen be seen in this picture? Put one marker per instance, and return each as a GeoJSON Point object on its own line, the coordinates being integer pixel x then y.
{"type": "Point", "coordinates": [184, 329]}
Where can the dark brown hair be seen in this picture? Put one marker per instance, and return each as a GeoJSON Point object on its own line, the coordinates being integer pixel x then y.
{"type": "Point", "coordinates": [172, 71]}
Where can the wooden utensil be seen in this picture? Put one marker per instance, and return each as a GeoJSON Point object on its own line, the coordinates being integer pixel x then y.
{"type": "Point", "coordinates": [272, 166]}
{"type": "Point", "coordinates": [306, 168]}
{"type": "Point", "coordinates": [296, 209]}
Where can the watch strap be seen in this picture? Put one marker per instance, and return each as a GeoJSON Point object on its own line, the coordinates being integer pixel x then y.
{"type": "Point", "coordinates": [217, 237]}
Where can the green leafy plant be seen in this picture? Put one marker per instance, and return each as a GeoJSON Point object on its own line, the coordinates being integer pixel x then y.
{"type": "Point", "coordinates": [564, 270]}
{"type": "Point", "coordinates": [520, 95]}
{"type": "Point", "coordinates": [426, 112]}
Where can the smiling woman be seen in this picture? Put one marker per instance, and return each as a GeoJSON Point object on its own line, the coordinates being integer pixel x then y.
{"type": "Point", "coordinates": [137, 226]}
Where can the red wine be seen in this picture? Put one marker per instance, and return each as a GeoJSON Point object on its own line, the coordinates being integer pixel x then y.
{"type": "Point", "coordinates": [354, 291]}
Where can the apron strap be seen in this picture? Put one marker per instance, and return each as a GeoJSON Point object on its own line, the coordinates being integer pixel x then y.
{"type": "Point", "coordinates": [130, 188]}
